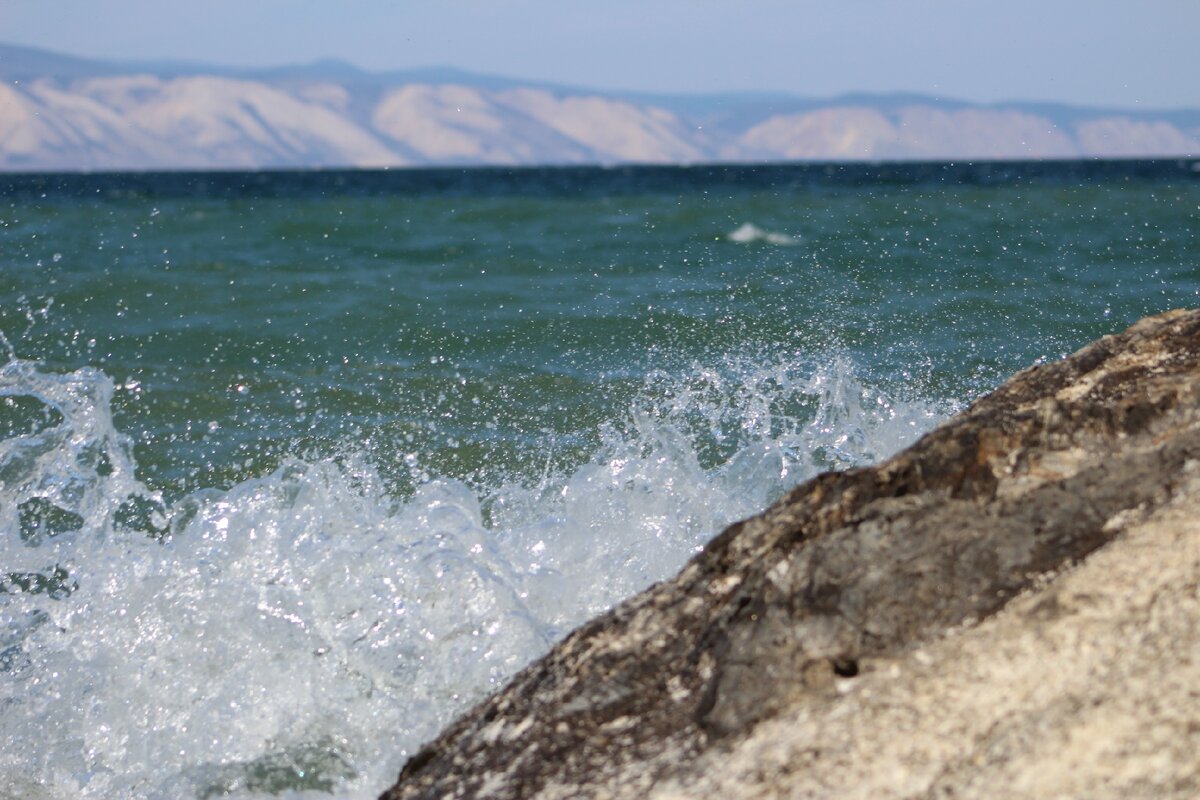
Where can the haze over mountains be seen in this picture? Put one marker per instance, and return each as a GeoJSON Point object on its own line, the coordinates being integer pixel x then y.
{"type": "Point", "coordinates": [64, 113]}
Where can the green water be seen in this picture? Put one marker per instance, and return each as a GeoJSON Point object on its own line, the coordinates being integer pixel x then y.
{"type": "Point", "coordinates": [296, 466]}
{"type": "Point", "coordinates": [244, 328]}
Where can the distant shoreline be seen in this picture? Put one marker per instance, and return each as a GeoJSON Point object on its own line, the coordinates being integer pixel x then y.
{"type": "Point", "coordinates": [568, 179]}
{"type": "Point", "coordinates": [62, 113]}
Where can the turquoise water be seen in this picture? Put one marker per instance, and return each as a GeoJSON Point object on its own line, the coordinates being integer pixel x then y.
{"type": "Point", "coordinates": [294, 466]}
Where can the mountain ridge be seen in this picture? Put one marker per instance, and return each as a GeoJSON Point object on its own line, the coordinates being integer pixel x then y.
{"type": "Point", "coordinates": [60, 112]}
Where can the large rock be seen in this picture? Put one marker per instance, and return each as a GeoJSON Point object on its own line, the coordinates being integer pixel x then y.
{"type": "Point", "coordinates": [1009, 607]}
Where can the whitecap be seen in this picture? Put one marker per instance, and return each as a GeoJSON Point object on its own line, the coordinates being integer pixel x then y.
{"type": "Point", "coordinates": [748, 233]}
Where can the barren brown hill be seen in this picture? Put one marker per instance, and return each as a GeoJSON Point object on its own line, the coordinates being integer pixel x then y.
{"type": "Point", "coordinates": [58, 113]}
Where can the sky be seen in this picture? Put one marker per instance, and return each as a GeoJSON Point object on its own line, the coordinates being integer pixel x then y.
{"type": "Point", "coordinates": [1112, 53]}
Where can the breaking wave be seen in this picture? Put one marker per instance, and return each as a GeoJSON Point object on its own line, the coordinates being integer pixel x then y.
{"type": "Point", "coordinates": [302, 632]}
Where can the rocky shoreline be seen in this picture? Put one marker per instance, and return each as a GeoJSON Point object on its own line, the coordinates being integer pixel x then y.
{"type": "Point", "coordinates": [1011, 605]}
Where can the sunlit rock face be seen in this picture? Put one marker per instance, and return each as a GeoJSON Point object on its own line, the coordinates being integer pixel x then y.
{"type": "Point", "coordinates": [140, 121]}
{"type": "Point", "coordinates": [462, 124]}
{"type": "Point", "coordinates": [1009, 602]}
{"type": "Point", "coordinates": [611, 129]}
{"type": "Point", "coordinates": [1121, 136]}
{"type": "Point", "coordinates": [831, 133]}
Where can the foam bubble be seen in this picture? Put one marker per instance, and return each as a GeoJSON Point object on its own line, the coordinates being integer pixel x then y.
{"type": "Point", "coordinates": [303, 631]}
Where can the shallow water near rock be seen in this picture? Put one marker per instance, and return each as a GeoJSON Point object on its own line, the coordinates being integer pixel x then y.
{"type": "Point", "coordinates": [288, 479]}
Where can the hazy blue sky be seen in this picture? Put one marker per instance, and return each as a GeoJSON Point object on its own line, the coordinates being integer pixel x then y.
{"type": "Point", "coordinates": [1098, 52]}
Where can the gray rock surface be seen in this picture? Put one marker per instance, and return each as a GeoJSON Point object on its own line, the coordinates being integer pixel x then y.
{"type": "Point", "coordinates": [1009, 607]}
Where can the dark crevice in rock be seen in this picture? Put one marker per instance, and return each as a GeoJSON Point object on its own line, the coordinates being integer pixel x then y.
{"type": "Point", "coordinates": [845, 667]}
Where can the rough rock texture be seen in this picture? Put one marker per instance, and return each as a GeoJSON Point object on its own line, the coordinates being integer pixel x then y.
{"type": "Point", "coordinates": [1009, 607]}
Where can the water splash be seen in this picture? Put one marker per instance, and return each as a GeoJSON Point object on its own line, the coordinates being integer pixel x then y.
{"type": "Point", "coordinates": [301, 632]}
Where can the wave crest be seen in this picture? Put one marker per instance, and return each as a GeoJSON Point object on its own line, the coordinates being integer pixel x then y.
{"type": "Point", "coordinates": [305, 629]}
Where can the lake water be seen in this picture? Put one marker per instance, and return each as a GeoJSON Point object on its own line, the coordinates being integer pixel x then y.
{"type": "Point", "coordinates": [296, 466]}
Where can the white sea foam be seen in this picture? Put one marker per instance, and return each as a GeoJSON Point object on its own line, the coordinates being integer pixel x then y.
{"type": "Point", "coordinates": [748, 232]}
{"type": "Point", "coordinates": [306, 628]}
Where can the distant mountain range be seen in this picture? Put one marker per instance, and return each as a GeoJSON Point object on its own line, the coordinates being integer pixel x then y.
{"type": "Point", "coordinates": [58, 112]}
